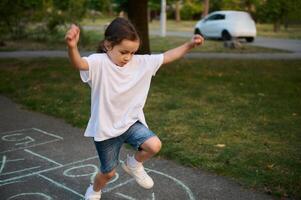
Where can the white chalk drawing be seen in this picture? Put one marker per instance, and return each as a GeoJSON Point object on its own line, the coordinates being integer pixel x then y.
{"type": "Point", "coordinates": [177, 181]}
{"type": "Point", "coordinates": [19, 140]}
{"type": "Point", "coordinates": [47, 133]}
{"type": "Point", "coordinates": [12, 182]}
{"type": "Point", "coordinates": [60, 185]}
{"type": "Point", "coordinates": [125, 196]}
{"type": "Point", "coordinates": [44, 196]}
{"type": "Point", "coordinates": [93, 174]}
{"type": "Point", "coordinates": [47, 170]}
{"type": "Point", "coordinates": [22, 170]}
{"type": "Point", "coordinates": [3, 162]}
{"type": "Point", "coordinates": [18, 137]}
{"type": "Point", "coordinates": [43, 157]}
{"type": "Point", "coordinates": [73, 170]}
{"type": "Point", "coordinates": [131, 198]}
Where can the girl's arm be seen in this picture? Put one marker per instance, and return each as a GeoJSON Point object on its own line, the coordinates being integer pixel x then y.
{"type": "Point", "coordinates": [178, 52]}
{"type": "Point", "coordinates": [72, 37]}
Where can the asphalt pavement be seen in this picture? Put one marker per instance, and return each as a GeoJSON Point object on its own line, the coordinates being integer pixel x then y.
{"type": "Point", "coordinates": [45, 158]}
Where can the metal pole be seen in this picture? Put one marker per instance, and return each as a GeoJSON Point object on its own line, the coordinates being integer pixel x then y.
{"type": "Point", "coordinates": [163, 18]}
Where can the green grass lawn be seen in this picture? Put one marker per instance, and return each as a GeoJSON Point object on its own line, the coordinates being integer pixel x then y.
{"type": "Point", "coordinates": [240, 119]}
{"type": "Point", "coordinates": [266, 30]}
{"type": "Point", "coordinates": [157, 44]}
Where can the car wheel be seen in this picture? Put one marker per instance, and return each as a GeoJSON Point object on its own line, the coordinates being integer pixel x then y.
{"type": "Point", "coordinates": [250, 39]}
{"type": "Point", "coordinates": [226, 35]}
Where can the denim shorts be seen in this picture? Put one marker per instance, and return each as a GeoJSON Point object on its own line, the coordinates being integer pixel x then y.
{"type": "Point", "coordinates": [108, 150]}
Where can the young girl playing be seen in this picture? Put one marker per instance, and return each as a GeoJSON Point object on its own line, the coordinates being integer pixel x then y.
{"type": "Point", "coordinates": [120, 81]}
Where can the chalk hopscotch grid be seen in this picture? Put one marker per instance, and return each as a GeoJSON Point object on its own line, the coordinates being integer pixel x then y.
{"type": "Point", "coordinates": [38, 173]}
{"type": "Point", "coordinates": [23, 131]}
{"type": "Point", "coordinates": [47, 170]}
{"type": "Point", "coordinates": [37, 144]}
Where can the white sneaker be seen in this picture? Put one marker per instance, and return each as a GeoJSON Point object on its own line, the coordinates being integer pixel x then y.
{"type": "Point", "coordinates": [91, 194]}
{"type": "Point", "coordinates": [139, 174]}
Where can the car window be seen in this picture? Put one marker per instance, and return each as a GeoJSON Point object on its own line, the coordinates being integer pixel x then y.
{"type": "Point", "coordinates": [220, 17]}
{"type": "Point", "coordinates": [216, 17]}
{"type": "Point", "coordinates": [210, 18]}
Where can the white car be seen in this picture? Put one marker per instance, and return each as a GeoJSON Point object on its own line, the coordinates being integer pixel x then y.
{"type": "Point", "coordinates": [227, 25]}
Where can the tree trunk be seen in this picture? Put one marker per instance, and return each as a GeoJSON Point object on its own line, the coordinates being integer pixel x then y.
{"type": "Point", "coordinates": [177, 11]}
{"type": "Point", "coordinates": [206, 8]}
{"type": "Point", "coordinates": [149, 17]}
{"type": "Point", "coordinates": [111, 13]}
{"type": "Point", "coordinates": [137, 14]}
{"type": "Point", "coordinates": [276, 26]}
{"type": "Point", "coordinates": [286, 23]}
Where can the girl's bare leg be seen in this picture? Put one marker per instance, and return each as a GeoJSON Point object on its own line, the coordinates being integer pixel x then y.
{"type": "Point", "coordinates": [101, 180]}
{"type": "Point", "coordinates": [149, 148]}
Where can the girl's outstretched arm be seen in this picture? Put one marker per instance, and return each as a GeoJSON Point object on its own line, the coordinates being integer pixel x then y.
{"type": "Point", "coordinates": [72, 37]}
{"type": "Point", "coordinates": [178, 52]}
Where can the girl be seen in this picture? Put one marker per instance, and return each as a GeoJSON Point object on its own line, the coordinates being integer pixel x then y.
{"type": "Point", "coordinates": [119, 82]}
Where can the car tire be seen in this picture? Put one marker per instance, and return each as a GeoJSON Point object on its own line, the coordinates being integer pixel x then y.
{"type": "Point", "coordinates": [250, 39]}
{"type": "Point", "coordinates": [226, 35]}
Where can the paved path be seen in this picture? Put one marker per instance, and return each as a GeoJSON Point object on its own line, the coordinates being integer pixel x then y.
{"type": "Point", "coordinates": [44, 158]}
{"type": "Point", "coordinates": [63, 54]}
{"type": "Point", "coordinates": [283, 44]}
{"type": "Point", "coordinates": [275, 43]}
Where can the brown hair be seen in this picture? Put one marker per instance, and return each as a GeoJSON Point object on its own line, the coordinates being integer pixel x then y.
{"type": "Point", "coordinates": [118, 30]}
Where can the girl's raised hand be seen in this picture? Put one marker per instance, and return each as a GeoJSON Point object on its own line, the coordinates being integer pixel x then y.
{"type": "Point", "coordinates": [196, 40]}
{"type": "Point", "coordinates": [72, 36]}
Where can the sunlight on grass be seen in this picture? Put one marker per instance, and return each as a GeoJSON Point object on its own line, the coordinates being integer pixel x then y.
{"type": "Point", "coordinates": [266, 30]}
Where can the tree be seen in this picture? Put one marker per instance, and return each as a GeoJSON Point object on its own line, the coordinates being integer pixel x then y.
{"type": "Point", "coordinates": [104, 6]}
{"type": "Point", "coordinates": [177, 11]}
{"type": "Point", "coordinates": [154, 8]}
{"type": "Point", "coordinates": [277, 11]}
{"type": "Point", "coordinates": [176, 5]}
{"type": "Point", "coordinates": [294, 16]}
{"type": "Point", "coordinates": [16, 15]}
{"type": "Point", "coordinates": [137, 14]}
{"type": "Point", "coordinates": [206, 8]}
{"type": "Point", "coordinates": [191, 9]}
{"type": "Point", "coordinates": [62, 12]}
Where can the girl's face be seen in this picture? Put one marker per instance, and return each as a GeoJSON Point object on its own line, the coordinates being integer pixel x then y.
{"type": "Point", "coordinates": [122, 53]}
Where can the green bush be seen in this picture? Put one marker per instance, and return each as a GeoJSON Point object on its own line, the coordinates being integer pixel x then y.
{"type": "Point", "coordinates": [191, 11]}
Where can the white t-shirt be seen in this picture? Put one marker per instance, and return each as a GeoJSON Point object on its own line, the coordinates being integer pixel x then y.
{"type": "Point", "coordinates": [118, 94]}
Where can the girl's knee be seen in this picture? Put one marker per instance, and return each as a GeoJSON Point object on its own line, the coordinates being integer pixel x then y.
{"type": "Point", "coordinates": [155, 146]}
